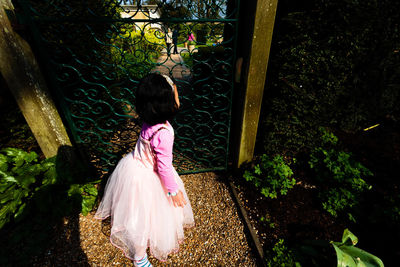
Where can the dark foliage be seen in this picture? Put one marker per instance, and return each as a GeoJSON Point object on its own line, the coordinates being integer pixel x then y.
{"type": "Point", "coordinates": [335, 64]}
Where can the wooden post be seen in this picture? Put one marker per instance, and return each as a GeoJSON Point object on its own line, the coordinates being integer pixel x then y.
{"type": "Point", "coordinates": [23, 77]}
{"type": "Point", "coordinates": [255, 79]}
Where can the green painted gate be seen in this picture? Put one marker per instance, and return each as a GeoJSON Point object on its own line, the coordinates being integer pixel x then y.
{"type": "Point", "coordinates": [93, 53]}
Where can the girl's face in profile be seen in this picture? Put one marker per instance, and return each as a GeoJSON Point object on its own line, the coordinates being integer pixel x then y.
{"type": "Point", "coordinates": [176, 96]}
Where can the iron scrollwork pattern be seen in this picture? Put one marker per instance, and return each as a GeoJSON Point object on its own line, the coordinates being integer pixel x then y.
{"type": "Point", "coordinates": [96, 51]}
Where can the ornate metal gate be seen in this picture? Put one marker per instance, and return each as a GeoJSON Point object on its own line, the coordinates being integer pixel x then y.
{"type": "Point", "coordinates": [95, 51]}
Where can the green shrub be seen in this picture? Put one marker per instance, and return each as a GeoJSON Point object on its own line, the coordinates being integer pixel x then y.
{"type": "Point", "coordinates": [339, 176]}
{"type": "Point", "coordinates": [20, 176]}
{"type": "Point", "coordinates": [280, 256]}
{"type": "Point", "coordinates": [88, 192]}
{"type": "Point", "coordinates": [267, 221]}
{"type": "Point", "coordinates": [24, 179]}
{"type": "Point", "coordinates": [35, 196]}
{"type": "Point", "coordinates": [272, 176]}
{"type": "Point", "coordinates": [135, 53]}
{"type": "Point", "coordinates": [334, 64]}
{"type": "Point", "coordinates": [187, 59]}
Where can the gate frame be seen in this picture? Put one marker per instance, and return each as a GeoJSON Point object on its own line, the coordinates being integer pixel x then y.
{"type": "Point", "coordinates": [251, 71]}
{"type": "Point", "coordinates": [252, 76]}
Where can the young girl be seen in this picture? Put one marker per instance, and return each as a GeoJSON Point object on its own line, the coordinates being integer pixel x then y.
{"type": "Point", "coordinates": [144, 195]}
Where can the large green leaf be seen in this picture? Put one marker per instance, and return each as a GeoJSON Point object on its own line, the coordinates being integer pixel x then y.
{"type": "Point", "coordinates": [75, 189]}
{"type": "Point", "coordinates": [90, 189]}
{"type": "Point", "coordinates": [343, 259]}
{"type": "Point", "coordinates": [19, 156]}
{"type": "Point", "coordinates": [26, 180]}
{"type": "Point", "coordinates": [350, 256]}
{"type": "Point", "coordinates": [7, 195]}
{"type": "Point", "coordinates": [362, 256]}
{"type": "Point", "coordinates": [7, 178]}
{"type": "Point", "coordinates": [24, 169]}
{"type": "Point", "coordinates": [3, 218]}
{"type": "Point", "coordinates": [50, 176]}
{"type": "Point", "coordinates": [20, 210]}
{"type": "Point", "coordinates": [3, 163]}
{"type": "Point", "coordinates": [349, 238]}
{"type": "Point", "coordinates": [87, 204]}
{"type": "Point", "coordinates": [4, 187]}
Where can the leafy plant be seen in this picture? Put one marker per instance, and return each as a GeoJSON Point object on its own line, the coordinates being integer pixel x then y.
{"type": "Point", "coordinates": [187, 59]}
{"type": "Point", "coordinates": [273, 176]}
{"type": "Point", "coordinates": [23, 178]}
{"type": "Point", "coordinates": [315, 253]}
{"type": "Point", "coordinates": [338, 174]}
{"type": "Point", "coordinates": [333, 63]}
{"type": "Point", "coordinates": [20, 176]}
{"type": "Point", "coordinates": [350, 256]}
{"type": "Point", "coordinates": [267, 220]}
{"type": "Point", "coordinates": [89, 194]}
{"type": "Point", "coordinates": [280, 256]}
{"type": "Point", "coordinates": [136, 52]}
{"type": "Point", "coordinates": [35, 195]}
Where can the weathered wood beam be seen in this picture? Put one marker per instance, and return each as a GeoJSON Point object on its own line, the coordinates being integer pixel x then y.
{"type": "Point", "coordinates": [255, 78]}
{"type": "Point", "coordinates": [21, 72]}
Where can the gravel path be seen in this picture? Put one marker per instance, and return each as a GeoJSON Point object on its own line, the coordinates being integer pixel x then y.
{"type": "Point", "coordinates": [218, 238]}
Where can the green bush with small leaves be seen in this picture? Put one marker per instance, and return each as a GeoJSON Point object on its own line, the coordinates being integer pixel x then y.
{"type": "Point", "coordinates": [267, 221]}
{"type": "Point", "coordinates": [136, 52]}
{"type": "Point", "coordinates": [88, 192]}
{"type": "Point", "coordinates": [333, 63]}
{"type": "Point", "coordinates": [24, 180]}
{"type": "Point", "coordinates": [272, 176]}
{"type": "Point", "coordinates": [280, 256]}
{"type": "Point", "coordinates": [340, 177]}
{"type": "Point", "coordinates": [21, 175]}
{"type": "Point", "coordinates": [35, 195]}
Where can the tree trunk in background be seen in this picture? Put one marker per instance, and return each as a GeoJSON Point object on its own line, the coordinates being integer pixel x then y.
{"type": "Point", "coordinates": [21, 72]}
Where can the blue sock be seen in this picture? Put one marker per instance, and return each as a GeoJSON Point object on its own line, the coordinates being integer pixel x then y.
{"type": "Point", "coordinates": [144, 262]}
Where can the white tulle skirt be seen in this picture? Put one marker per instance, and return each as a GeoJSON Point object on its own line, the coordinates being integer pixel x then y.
{"type": "Point", "coordinates": [142, 215]}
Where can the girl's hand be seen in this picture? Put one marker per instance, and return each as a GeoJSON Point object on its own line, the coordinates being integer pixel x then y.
{"type": "Point", "coordinates": [178, 200]}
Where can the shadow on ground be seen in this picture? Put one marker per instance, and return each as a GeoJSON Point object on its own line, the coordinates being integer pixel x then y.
{"type": "Point", "coordinates": [45, 219]}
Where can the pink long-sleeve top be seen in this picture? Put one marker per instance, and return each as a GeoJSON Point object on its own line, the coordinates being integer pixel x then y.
{"type": "Point", "coordinates": [162, 143]}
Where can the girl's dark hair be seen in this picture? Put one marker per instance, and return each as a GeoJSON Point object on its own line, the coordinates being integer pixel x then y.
{"type": "Point", "coordinates": [155, 99]}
